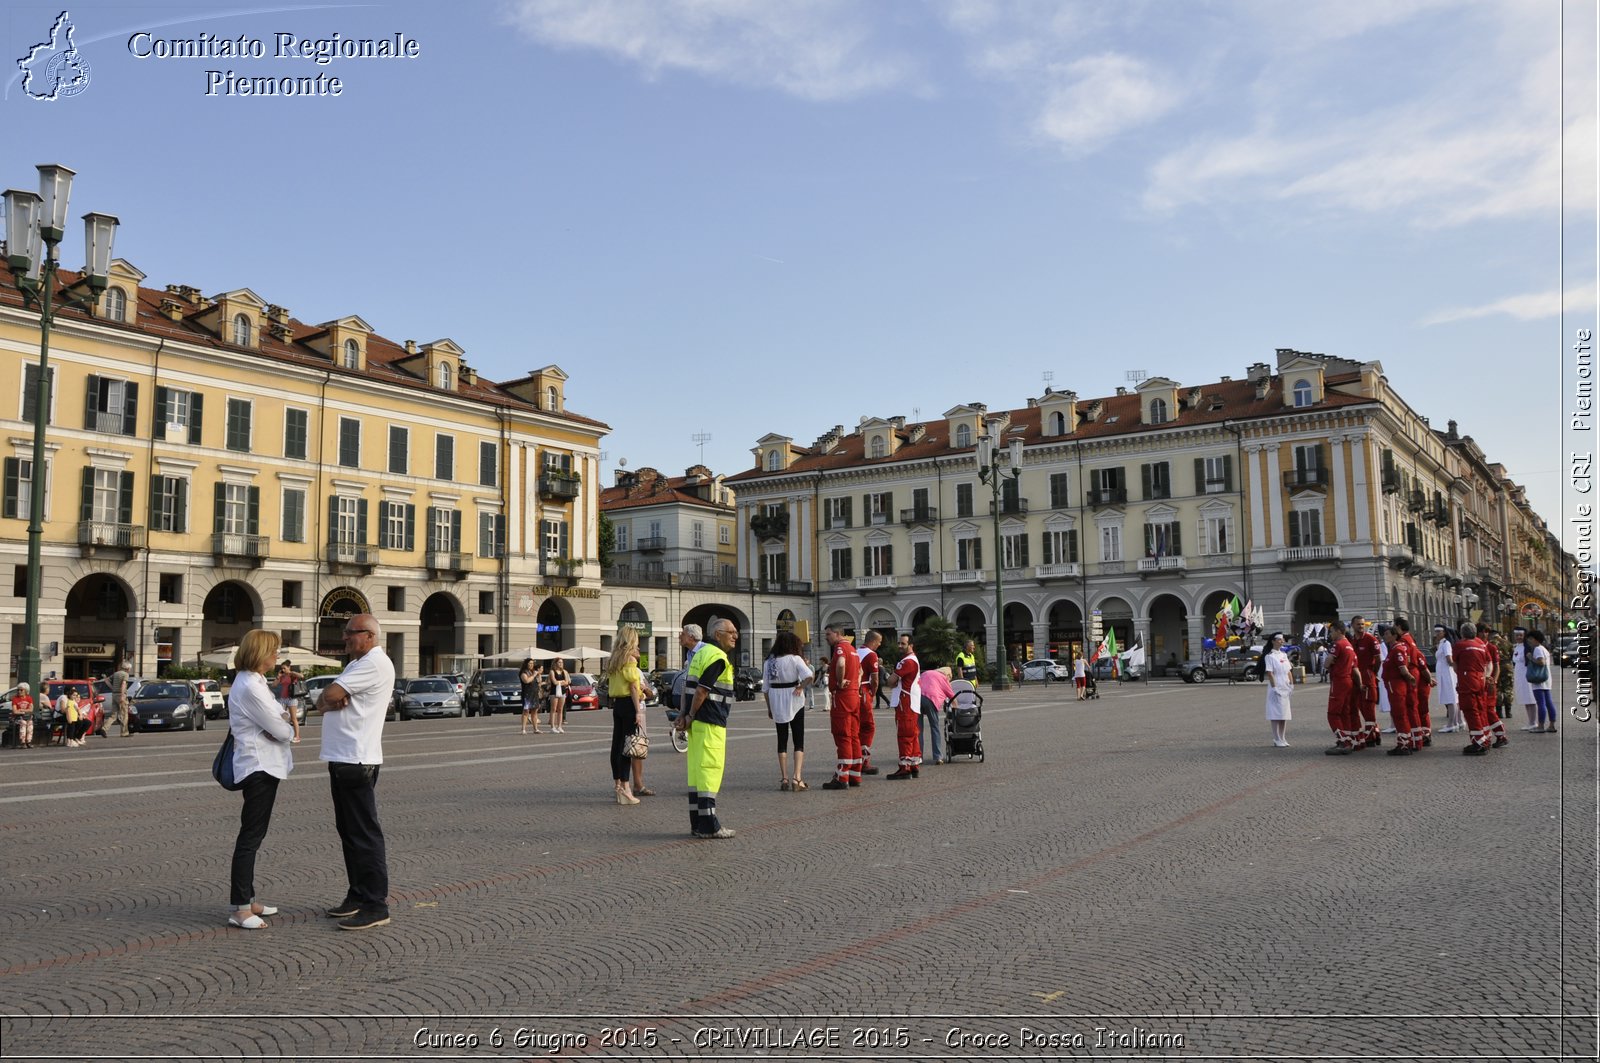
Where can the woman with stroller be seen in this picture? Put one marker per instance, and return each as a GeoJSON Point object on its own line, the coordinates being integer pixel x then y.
{"type": "Point", "coordinates": [785, 679]}
{"type": "Point", "coordinates": [936, 694]}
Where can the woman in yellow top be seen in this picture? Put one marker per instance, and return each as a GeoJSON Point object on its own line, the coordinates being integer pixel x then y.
{"type": "Point", "coordinates": [73, 724]}
{"type": "Point", "coordinates": [628, 691]}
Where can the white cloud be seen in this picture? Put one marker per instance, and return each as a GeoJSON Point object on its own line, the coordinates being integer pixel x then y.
{"type": "Point", "coordinates": [813, 49]}
{"type": "Point", "coordinates": [1532, 306]}
{"type": "Point", "coordinates": [1102, 96]}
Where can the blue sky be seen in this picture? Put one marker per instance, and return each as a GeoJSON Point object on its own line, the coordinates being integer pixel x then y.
{"type": "Point", "coordinates": [736, 217]}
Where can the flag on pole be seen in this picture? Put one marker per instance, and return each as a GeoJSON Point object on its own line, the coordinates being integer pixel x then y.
{"type": "Point", "coordinates": [1111, 648]}
{"type": "Point", "coordinates": [1235, 608]}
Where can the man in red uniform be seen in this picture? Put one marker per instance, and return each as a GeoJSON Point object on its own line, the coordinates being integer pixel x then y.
{"type": "Point", "coordinates": [1367, 657]}
{"type": "Point", "coordinates": [1471, 658]}
{"type": "Point", "coordinates": [871, 676]}
{"type": "Point", "coordinates": [1494, 726]}
{"type": "Point", "coordinates": [1344, 695]}
{"type": "Point", "coordinates": [844, 710]}
{"type": "Point", "coordinates": [907, 711]}
{"type": "Point", "coordinates": [1401, 685]}
{"type": "Point", "coordinates": [1422, 729]}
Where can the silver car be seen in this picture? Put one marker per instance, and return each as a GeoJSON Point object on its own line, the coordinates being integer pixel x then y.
{"type": "Point", "coordinates": [1046, 670]}
{"type": "Point", "coordinates": [430, 696]}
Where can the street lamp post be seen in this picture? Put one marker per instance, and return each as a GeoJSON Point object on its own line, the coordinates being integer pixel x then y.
{"type": "Point", "coordinates": [989, 458]}
{"type": "Point", "coordinates": [35, 225]}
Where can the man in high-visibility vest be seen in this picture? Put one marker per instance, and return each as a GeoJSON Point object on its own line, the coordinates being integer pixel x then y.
{"type": "Point", "coordinates": [706, 721]}
{"type": "Point", "coordinates": [967, 663]}
{"type": "Point", "coordinates": [844, 705]}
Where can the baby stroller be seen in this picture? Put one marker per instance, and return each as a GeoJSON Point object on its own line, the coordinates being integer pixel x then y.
{"type": "Point", "coordinates": [963, 734]}
{"type": "Point", "coordinates": [1091, 689]}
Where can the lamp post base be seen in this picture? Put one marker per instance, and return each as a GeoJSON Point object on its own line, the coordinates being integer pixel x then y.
{"type": "Point", "coordinates": [1001, 682]}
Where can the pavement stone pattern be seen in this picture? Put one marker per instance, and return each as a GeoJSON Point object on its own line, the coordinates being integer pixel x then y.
{"type": "Point", "coordinates": [1141, 876]}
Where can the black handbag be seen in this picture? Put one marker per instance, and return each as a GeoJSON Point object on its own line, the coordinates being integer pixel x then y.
{"type": "Point", "coordinates": [222, 766]}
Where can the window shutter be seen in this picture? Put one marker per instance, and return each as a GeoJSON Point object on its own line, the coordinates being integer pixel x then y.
{"type": "Point", "coordinates": [1227, 472]}
{"type": "Point", "coordinates": [1146, 481]}
{"type": "Point", "coordinates": [125, 498]}
{"type": "Point", "coordinates": [361, 520]}
{"type": "Point", "coordinates": [1045, 557]}
{"type": "Point", "coordinates": [566, 550]}
{"type": "Point", "coordinates": [1294, 528]}
{"type": "Point", "coordinates": [159, 422]}
{"type": "Point", "coordinates": [180, 519]}
{"type": "Point", "coordinates": [1149, 539]}
{"type": "Point", "coordinates": [156, 484]}
{"type": "Point", "coordinates": [130, 409]}
{"type": "Point", "coordinates": [91, 402]}
{"type": "Point", "coordinates": [1321, 455]}
{"type": "Point", "coordinates": [220, 508]}
{"type": "Point", "coordinates": [333, 519]}
{"type": "Point", "coordinates": [1176, 546]}
{"type": "Point", "coordinates": [86, 495]}
{"type": "Point", "coordinates": [431, 527]}
{"type": "Point", "coordinates": [1199, 476]}
{"type": "Point", "coordinates": [827, 515]}
{"type": "Point", "coordinates": [888, 505]}
{"type": "Point", "coordinates": [849, 505]}
{"type": "Point", "coordinates": [13, 487]}
{"type": "Point", "coordinates": [455, 531]}
{"type": "Point", "coordinates": [194, 416]}
{"type": "Point", "coordinates": [866, 511]}
{"type": "Point", "coordinates": [411, 527]}
{"type": "Point", "coordinates": [252, 513]}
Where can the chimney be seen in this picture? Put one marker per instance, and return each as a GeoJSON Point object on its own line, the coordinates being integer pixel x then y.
{"type": "Point", "coordinates": [469, 375]}
{"type": "Point", "coordinates": [1226, 379]}
{"type": "Point", "coordinates": [898, 420]}
{"type": "Point", "coordinates": [172, 309]}
{"type": "Point", "coordinates": [411, 346]}
{"type": "Point", "coordinates": [1093, 411]}
{"type": "Point", "coordinates": [1122, 391]}
{"type": "Point", "coordinates": [1258, 372]}
{"type": "Point", "coordinates": [1033, 404]}
{"type": "Point", "coordinates": [918, 431]}
{"type": "Point", "coordinates": [1451, 433]}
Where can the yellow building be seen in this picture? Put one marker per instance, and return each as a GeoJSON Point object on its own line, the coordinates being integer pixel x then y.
{"type": "Point", "coordinates": [215, 465]}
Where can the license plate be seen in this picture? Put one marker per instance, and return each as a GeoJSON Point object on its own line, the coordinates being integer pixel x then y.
{"type": "Point", "coordinates": [156, 721]}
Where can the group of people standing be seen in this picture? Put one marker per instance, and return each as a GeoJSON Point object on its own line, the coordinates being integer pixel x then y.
{"type": "Point", "coordinates": [546, 690]}
{"type": "Point", "coordinates": [1386, 671]}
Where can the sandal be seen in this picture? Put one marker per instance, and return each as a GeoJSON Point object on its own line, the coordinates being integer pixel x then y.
{"type": "Point", "coordinates": [786, 785]}
{"type": "Point", "coordinates": [253, 922]}
{"type": "Point", "coordinates": [644, 791]}
{"type": "Point", "coordinates": [798, 785]}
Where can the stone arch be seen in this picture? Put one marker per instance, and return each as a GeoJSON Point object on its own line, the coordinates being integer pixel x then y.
{"type": "Point", "coordinates": [1064, 620]}
{"type": "Point", "coordinates": [441, 629]}
{"type": "Point", "coordinates": [1116, 614]}
{"type": "Point", "coordinates": [337, 606]}
{"type": "Point", "coordinates": [230, 609]}
{"type": "Point", "coordinates": [1309, 602]}
{"type": "Point", "coordinates": [1168, 616]}
{"type": "Point", "coordinates": [98, 627]}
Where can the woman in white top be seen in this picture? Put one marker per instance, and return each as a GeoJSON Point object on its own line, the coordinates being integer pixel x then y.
{"type": "Point", "coordinates": [1383, 690]}
{"type": "Point", "coordinates": [1522, 693]}
{"type": "Point", "coordinates": [1539, 658]}
{"type": "Point", "coordinates": [1444, 673]}
{"type": "Point", "coordinates": [262, 734]}
{"type": "Point", "coordinates": [1280, 684]}
{"type": "Point", "coordinates": [785, 679]}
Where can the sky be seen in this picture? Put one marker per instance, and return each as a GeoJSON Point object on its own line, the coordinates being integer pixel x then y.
{"type": "Point", "coordinates": [726, 218]}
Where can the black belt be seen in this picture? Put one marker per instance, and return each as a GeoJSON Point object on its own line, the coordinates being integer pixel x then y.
{"type": "Point", "coordinates": [784, 686]}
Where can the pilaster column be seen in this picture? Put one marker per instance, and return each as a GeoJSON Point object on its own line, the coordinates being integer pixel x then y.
{"type": "Point", "coordinates": [1275, 495]}
{"type": "Point", "coordinates": [1258, 522]}
{"type": "Point", "coordinates": [1341, 531]}
{"type": "Point", "coordinates": [1362, 466]}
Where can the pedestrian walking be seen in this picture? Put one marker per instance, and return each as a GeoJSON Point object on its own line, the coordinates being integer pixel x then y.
{"type": "Point", "coordinates": [626, 688]}
{"type": "Point", "coordinates": [785, 678]}
{"type": "Point", "coordinates": [353, 709]}
{"type": "Point", "coordinates": [1538, 677]}
{"type": "Point", "coordinates": [1080, 676]}
{"type": "Point", "coordinates": [1280, 686]}
{"type": "Point", "coordinates": [936, 694]}
{"type": "Point", "coordinates": [263, 730]}
{"type": "Point", "coordinates": [844, 707]}
{"type": "Point", "coordinates": [284, 685]}
{"type": "Point", "coordinates": [907, 711]}
{"type": "Point", "coordinates": [118, 700]}
{"type": "Point", "coordinates": [706, 722]}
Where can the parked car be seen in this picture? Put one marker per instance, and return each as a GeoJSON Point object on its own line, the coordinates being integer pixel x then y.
{"type": "Point", "coordinates": [1045, 669]}
{"type": "Point", "coordinates": [313, 690]}
{"type": "Point", "coordinates": [583, 693]}
{"type": "Point", "coordinates": [494, 690]}
{"type": "Point", "coordinates": [216, 706]}
{"type": "Point", "coordinates": [460, 682]}
{"type": "Point", "coordinates": [1236, 663]}
{"type": "Point", "coordinates": [432, 695]}
{"type": "Point", "coordinates": [168, 705]}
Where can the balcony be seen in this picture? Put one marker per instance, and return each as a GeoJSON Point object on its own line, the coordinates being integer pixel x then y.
{"type": "Point", "coordinates": [100, 538]}
{"type": "Point", "coordinates": [560, 486]}
{"type": "Point", "coordinates": [919, 515]}
{"type": "Point", "coordinates": [1306, 479]}
{"type": "Point", "coordinates": [875, 583]}
{"type": "Point", "coordinates": [1418, 501]}
{"type": "Point", "coordinates": [762, 585]}
{"type": "Point", "coordinates": [1010, 506]}
{"type": "Point", "coordinates": [877, 519]}
{"type": "Point", "coordinates": [1294, 555]}
{"type": "Point", "coordinates": [560, 568]}
{"type": "Point", "coordinates": [1163, 565]}
{"type": "Point", "coordinates": [448, 562]}
{"type": "Point", "coordinates": [1108, 496]}
{"type": "Point", "coordinates": [651, 544]}
{"type": "Point", "coordinates": [966, 575]}
{"type": "Point", "coordinates": [355, 555]}
{"type": "Point", "coordinates": [1061, 570]}
{"type": "Point", "coordinates": [924, 579]}
{"type": "Point", "coordinates": [1391, 481]}
{"type": "Point", "coordinates": [227, 547]}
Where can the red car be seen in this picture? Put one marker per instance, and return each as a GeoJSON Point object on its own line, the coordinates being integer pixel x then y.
{"type": "Point", "coordinates": [91, 703]}
{"type": "Point", "coordinates": [582, 693]}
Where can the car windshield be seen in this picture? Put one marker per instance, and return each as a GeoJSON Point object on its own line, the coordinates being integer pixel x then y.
{"type": "Point", "coordinates": [501, 675]}
{"type": "Point", "coordinates": [164, 690]}
{"type": "Point", "coordinates": [55, 690]}
{"type": "Point", "coordinates": [430, 686]}
{"type": "Point", "coordinates": [581, 680]}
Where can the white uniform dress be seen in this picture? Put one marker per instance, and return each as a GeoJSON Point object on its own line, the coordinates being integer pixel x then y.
{"type": "Point", "coordinates": [1280, 684]}
{"type": "Point", "coordinates": [1519, 676]}
{"type": "Point", "coordinates": [1443, 674]}
{"type": "Point", "coordinates": [1383, 691]}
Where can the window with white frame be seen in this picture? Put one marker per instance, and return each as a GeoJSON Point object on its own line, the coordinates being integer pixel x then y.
{"type": "Point", "coordinates": [1216, 533]}
{"type": "Point", "coordinates": [347, 520]}
{"type": "Point", "coordinates": [235, 508]}
{"type": "Point", "coordinates": [116, 304]}
{"type": "Point", "coordinates": [840, 562]}
{"type": "Point", "coordinates": [1305, 526]}
{"type": "Point", "coordinates": [241, 330]}
{"type": "Point", "coordinates": [1158, 411]}
{"type": "Point", "coordinates": [724, 534]}
{"type": "Point", "coordinates": [880, 448]}
{"type": "Point", "coordinates": [963, 435]}
{"type": "Point", "coordinates": [1302, 393]}
{"type": "Point", "coordinates": [836, 512]}
{"type": "Point", "coordinates": [878, 560]}
{"type": "Point", "coordinates": [1014, 549]}
{"type": "Point", "coordinates": [775, 567]}
{"type": "Point", "coordinates": [774, 461]}
{"type": "Point", "coordinates": [1218, 475]}
{"type": "Point", "coordinates": [623, 533]}
{"type": "Point", "coordinates": [442, 535]}
{"type": "Point", "coordinates": [1110, 542]}
{"type": "Point", "coordinates": [1060, 546]}
{"type": "Point", "coordinates": [352, 354]}
{"type": "Point", "coordinates": [550, 398]}
{"type": "Point", "coordinates": [969, 554]}
{"type": "Point", "coordinates": [880, 508]}
{"type": "Point", "coordinates": [398, 517]}
{"type": "Point", "coordinates": [446, 377]}
{"type": "Point", "coordinates": [294, 515]}
{"type": "Point", "coordinates": [169, 511]}
{"type": "Point", "coordinates": [697, 534]}
{"type": "Point", "coordinates": [19, 488]}
{"type": "Point", "coordinates": [1058, 423]}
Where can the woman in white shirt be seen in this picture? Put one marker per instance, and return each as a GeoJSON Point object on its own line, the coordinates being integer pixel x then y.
{"type": "Point", "coordinates": [1444, 671]}
{"type": "Point", "coordinates": [1539, 682]}
{"type": "Point", "coordinates": [262, 733]}
{"type": "Point", "coordinates": [785, 679]}
{"type": "Point", "coordinates": [1280, 684]}
{"type": "Point", "coordinates": [1521, 692]}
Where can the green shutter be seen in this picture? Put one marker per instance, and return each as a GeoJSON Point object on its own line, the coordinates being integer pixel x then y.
{"type": "Point", "coordinates": [1199, 476]}
{"type": "Point", "coordinates": [1294, 528]}
{"type": "Point", "coordinates": [411, 527]}
{"type": "Point", "coordinates": [13, 488]}
{"type": "Point", "coordinates": [1146, 481]}
{"type": "Point", "coordinates": [566, 550]}
{"type": "Point", "coordinates": [1175, 547]}
{"type": "Point", "coordinates": [194, 417]}
{"type": "Point", "coordinates": [219, 509]}
{"type": "Point", "coordinates": [455, 531]}
{"type": "Point", "coordinates": [86, 495]}
{"type": "Point", "coordinates": [1227, 472]}
{"type": "Point", "coordinates": [130, 410]}
{"type": "Point", "coordinates": [155, 500]}
{"type": "Point", "coordinates": [252, 518]}
{"type": "Point", "coordinates": [1072, 545]}
{"type": "Point", "coordinates": [159, 421]}
{"type": "Point", "coordinates": [333, 519]}
{"type": "Point", "coordinates": [431, 522]}
{"type": "Point", "coordinates": [125, 499]}
{"type": "Point", "coordinates": [361, 521]}
{"type": "Point", "coordinates": [91, 398]}
{"type": "Point", "coordinates": [180, 519]}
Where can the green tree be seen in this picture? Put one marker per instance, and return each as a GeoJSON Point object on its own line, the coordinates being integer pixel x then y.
{"type": "Point", "coordinates": [937, 642]}
{"type": "Point", "coordinates": [608, 541]}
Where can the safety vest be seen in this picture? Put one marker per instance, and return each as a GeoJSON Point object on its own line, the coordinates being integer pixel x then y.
{"type": "Point", "coordinates": [966, 660]}
{"type": "Point", "coordinates": [720, 692]}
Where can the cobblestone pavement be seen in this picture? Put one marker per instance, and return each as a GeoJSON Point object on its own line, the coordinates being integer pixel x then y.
{"type": "Point", "coordinates": [1136, 877]}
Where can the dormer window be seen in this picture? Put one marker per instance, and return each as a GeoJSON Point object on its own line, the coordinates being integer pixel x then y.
{"type": "Point", "coordinates": [445, 377]}
{"type": "Point", "coordinates": [1302, 393]}
{"type": "Point", "coordinates": [1158, 411]}
{"type": "Point", "coordinates": [1058, 423]}
{"type": "Point", "coordinates": [774, 461]}
{"type": "Point", "coordinates": [963, 435]}
{"type": "Point", "coordinates": [241, 330]}
{"type": "Point", "coordinates": [352, 354]}
{"type": "Point", "coordinates": [550, 398]}
{"type": "Point", "coordinates": [879, 447]}
{"type": "Point", "coordinates": [116, 305]}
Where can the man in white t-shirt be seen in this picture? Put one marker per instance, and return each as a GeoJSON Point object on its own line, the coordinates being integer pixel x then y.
{"type": "Point", "coordinates": [353, 709]}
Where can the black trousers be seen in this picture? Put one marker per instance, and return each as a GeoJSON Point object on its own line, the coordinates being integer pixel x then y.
{"type": "Point", "coordinates": [260, 791]}
{"type": "Point", "coordinates": [355, 813]}
{"type": "Point", "coordinates": [624, 721]}
{"type": "Point", "coordinates": [795, 727]}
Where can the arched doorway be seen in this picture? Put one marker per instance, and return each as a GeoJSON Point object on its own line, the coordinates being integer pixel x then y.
{"type": "Point", "coordinates": [970, 622]}
{"type": "Point", "coordinates": [1315, 603]}
{"type": "Point", "coordinates": [1212, 605]}
{"type": "Point", "coordinates": [1169, 632]}
{"type": "Point", "coordinates": [921, 615]}
{"type": "Point", "coordinates": [440, 631]}
{"type": "Point", "coordinates": [1117, 615]}
{"type": "Point", "coordinates": [636, 617]}
{"type": "Point", "coordinates": [1019, 633]}
{"type": "Point", "coordinates": [338, 606]}
{"type": "Point", "coordinates": [227, 616]}
{"type": "Point", "coordinates": [98, 632]}
{"type": "Point", "coordinates": [1066, 631]}
{"type": "Point", "coordinates": [704, 614]}
{"type": "Point", "coordinates": [882, 621]}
